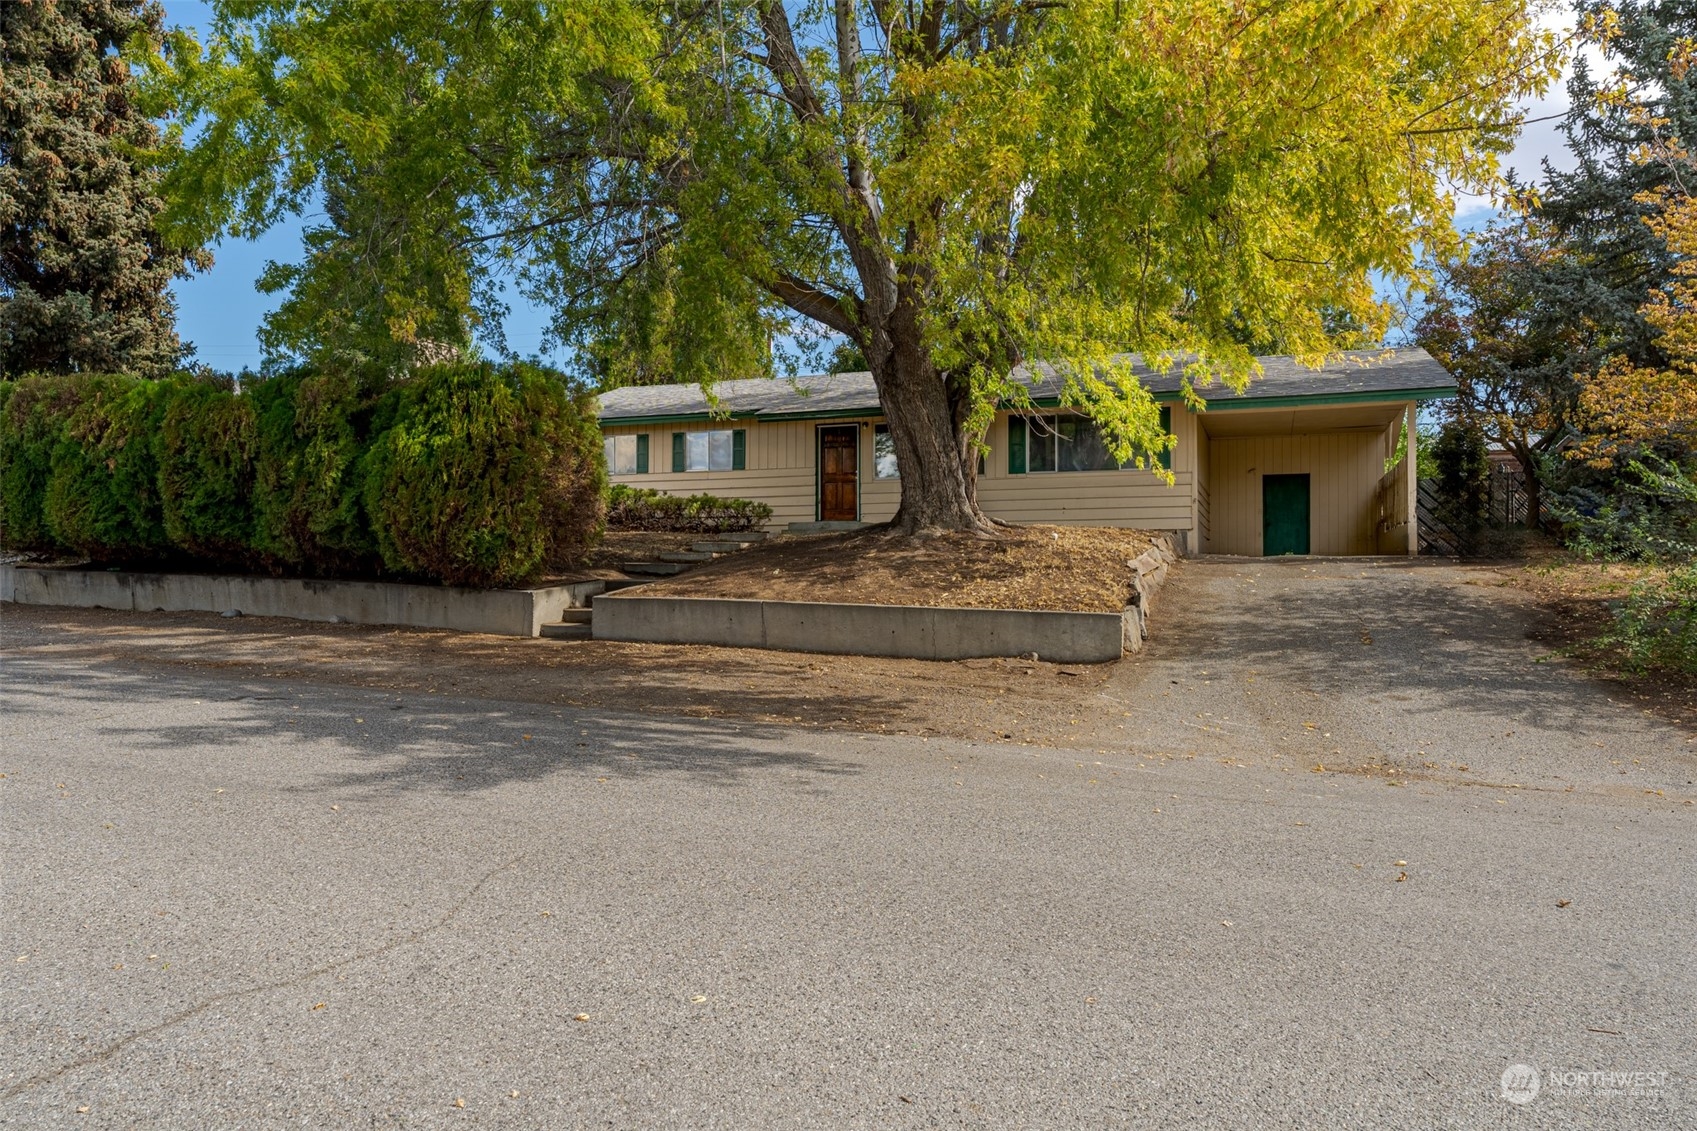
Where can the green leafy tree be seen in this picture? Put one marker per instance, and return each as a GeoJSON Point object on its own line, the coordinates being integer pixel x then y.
{"type": "Point", "coordinates": [953, 186]}
{"type": "Point", "coordinates": [84, 271]}
{"type": "Point", "coordinates": [1503, 325]}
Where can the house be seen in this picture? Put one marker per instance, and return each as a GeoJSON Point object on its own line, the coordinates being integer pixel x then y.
{"type": "Point", "coordinates": [1301, 462]}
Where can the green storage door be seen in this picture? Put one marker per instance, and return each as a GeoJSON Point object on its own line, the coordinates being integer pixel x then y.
{"type": "Point", "coordinates": [1284, 514]}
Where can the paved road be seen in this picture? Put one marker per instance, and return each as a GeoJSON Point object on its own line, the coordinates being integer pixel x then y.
{"type": "Point", "coordinates": [281, 905]}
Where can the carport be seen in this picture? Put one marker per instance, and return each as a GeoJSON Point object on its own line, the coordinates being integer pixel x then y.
{"type": "Point", "coordinates": [1308, 478]}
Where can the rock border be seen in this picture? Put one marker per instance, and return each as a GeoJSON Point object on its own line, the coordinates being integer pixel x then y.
{"type": "Point", "coordinates": [1149, 572]}
{"type": "Point", "coordinates": [501, 612]}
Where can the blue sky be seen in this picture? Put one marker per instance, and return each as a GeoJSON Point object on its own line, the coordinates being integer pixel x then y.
{"type": "Point", "coordinates": [220, 310]}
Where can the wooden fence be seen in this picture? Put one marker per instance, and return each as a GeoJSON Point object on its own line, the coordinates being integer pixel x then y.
{"type": "Point", "coordinates": [1506, 505]}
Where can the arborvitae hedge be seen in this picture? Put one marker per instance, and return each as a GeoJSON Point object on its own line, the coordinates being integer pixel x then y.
{"type": "Point", "coordinates": [470, 473]}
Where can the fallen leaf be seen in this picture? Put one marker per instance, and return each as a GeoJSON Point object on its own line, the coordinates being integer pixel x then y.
{"type": "Point", "coordinates": [83, 1110]}
{"type": "Point", "coordinates": [1564, 902]}
{"type": "Point", "coordinates": [514, 1093]}
{"type": "Point", "coordinates": [699, 998]}
{"type": "Point", "coordinates": [460, 1102]}
{"type": "Point", "coordinates": [320, 1005]}
{"type": "Point", "coordinates": [1402, 863]}
{"type": "Point", "coordinates": [581, 1017]}
{"type": "Point", "coordinates": [1401, 876]}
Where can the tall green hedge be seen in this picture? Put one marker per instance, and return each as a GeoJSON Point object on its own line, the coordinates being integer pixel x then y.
{"type": "Point", "coordinates": [468, 473]}
{"type": "Point", "coordinates": [482, 474]}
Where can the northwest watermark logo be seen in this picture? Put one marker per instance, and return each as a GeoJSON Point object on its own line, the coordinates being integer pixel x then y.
{"type": "Point", "coordinates": [1520, 1083]}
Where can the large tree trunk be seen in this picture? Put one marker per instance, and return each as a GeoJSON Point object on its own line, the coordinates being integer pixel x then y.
{"type": "Point", "coordinates": [938, 461]}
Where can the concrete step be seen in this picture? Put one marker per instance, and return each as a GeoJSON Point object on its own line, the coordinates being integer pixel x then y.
{"type": "Point", "coordinates": [823, 527]}
{"type": "Point", "coordinates": [576, 616]}
{"type": "Point", "coordinates": [568, 631]}
{"type": "Point", "coordinates": [687, 556]}
{"type": "Point", "coordinates": [746, 536]}
{"type": "Point", "coordinates": [655, 569]}
{"type": "Point", "coordinates": [621, 583]}
{"type": "Point", "coordinates": [723, 546]}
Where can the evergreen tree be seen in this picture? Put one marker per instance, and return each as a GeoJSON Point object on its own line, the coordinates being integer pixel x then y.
{"type": "Point", "coordinates": [84, 272]}
{"type": "Point", "coordinates": [1621, 129]}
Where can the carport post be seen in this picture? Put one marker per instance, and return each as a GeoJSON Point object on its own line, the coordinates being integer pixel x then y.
{"type": "Point", "coordinates": [1413, 477]}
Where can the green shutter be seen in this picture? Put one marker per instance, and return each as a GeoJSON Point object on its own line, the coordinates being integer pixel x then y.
{"type": "Point", "coordinates": [1167, 427]}
{"type": "Point", "coordinates": [1016, 445]}
{"type": "Point", "coordinates": [739, 449]}
{"type": "Point", "coordinates": [642, 453]}
{"type": "Point", "coordinates": [677, 451]}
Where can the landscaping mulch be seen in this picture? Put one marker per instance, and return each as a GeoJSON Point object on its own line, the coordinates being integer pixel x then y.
{"type": "Point", "coordinates": [1081, 569]}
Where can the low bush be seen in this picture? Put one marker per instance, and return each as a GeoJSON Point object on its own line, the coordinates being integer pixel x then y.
{"type": "Point", "coordinates": [640, 508]}
{"type": "Point", "coordinates": [468, 473]}
{"type": "Point", "coordinates": [1655, 628]}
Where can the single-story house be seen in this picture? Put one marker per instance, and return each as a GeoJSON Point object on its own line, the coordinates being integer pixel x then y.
{"type": "Point", "coordinates": [1302, 462]}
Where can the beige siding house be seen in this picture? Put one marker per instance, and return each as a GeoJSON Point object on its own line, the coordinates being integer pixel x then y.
{"type": "Point", "coordinates": [1303, 462]}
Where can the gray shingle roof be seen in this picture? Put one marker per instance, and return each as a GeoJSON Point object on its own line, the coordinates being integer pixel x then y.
{"type": "Point", "coordinates": [1357, 375]}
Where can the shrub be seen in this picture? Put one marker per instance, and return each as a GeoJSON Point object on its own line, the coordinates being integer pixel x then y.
{"type": "Point", "coordinates": [205, 448]}
{"type": "Point", "coordinates": [308, 494]}
{"type": "Point", "coordinates": [465, 473]}
{"type": "Point", "coordinates": [1656, 627]}
{"type": "Point", "coordinates": [1647, 512]}
{"type": "Point", "coordinates": [102, 496]}
{"type": "Point", "coordinates": [30, 427]}
{"type": "Point", "coordinates": [485, 476]}
{"type": "Point", "coordinates": [640, 508]}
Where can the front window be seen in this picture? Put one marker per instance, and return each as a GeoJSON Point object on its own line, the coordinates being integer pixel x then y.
{"type": "Point", "coordinates": [622, 454]}
{"type": "Point", "coordinates": [1064, 443]}
{"type": "Point", "coordinates": [708, 451]}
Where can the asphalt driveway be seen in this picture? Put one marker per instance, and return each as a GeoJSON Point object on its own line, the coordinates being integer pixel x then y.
{"type": "Point", "coordinates": [1429, 668]}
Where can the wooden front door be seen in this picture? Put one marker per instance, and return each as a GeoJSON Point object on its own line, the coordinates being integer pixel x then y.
{"type": "Point", "coordinates": [839, 474]}
{"type": "Point", "coordinates": [1284, 514]}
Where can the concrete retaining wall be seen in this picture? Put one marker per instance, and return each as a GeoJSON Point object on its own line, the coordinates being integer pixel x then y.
{"type": "Point", "coordinates": [504, 612]}
{"type": "Point", "coordinates": [908, 631]}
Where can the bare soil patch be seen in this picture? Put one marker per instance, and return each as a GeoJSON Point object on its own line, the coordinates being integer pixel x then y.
{"type": "Point", "coordinates": [1083, 569]}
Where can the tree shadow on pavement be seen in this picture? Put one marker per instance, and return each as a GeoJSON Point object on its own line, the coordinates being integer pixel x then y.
{"type": "Point", "coordinates": [377, 743]}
